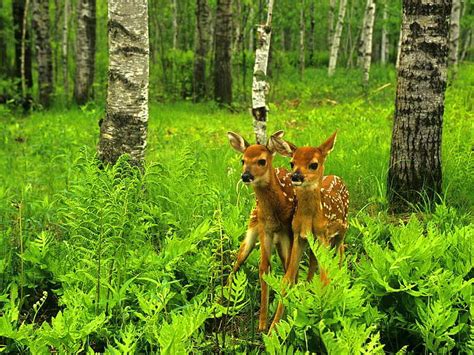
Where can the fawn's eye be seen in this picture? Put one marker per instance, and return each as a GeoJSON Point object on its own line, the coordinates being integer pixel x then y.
{"type": "Point", "coordinates": [313, 166]}
{"type": "Point", "coordinates": [243, 162]}
{"type": "Point", "coordinates": [262, 162]}
{"type": "Point", "coordinates": [292, 165]}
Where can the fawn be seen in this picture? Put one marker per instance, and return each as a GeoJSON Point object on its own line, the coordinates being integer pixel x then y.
{"type": "Point", "coordinates": [323, 203]}
{"type": "Point", "coordinates": [271, 219]}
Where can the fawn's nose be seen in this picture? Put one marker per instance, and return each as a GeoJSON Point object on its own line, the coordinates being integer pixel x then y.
{"type": "Point", "coordinates": [247, 177]}
{"type": "Point", "coordinates": [297, 177]}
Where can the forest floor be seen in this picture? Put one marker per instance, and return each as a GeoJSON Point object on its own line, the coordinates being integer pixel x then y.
{"type": "Point", "coordinates": [136, 262]}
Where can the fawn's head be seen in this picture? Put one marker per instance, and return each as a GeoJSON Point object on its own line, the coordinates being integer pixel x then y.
{"type": "Point", "coordinates": [307, 163]}
{"type": "Point", "coordinates": [257, 159]}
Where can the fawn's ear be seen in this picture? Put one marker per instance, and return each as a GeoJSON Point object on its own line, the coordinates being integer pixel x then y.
{"type": "Point", "coordinates": [237, 142]}
{"type": "Point", "coordinates": [276, 143]}
{"type": "Point", "coordinates": [328, 146]}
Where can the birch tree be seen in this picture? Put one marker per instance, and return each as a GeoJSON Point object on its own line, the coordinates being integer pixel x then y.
{"type": "Point", "coordinates": [332, 7]}
{"type": "Point", "coordinates": [384, 43]}
{"type": "Point", "coordinates": [44, 54]}
{"type": "Point", "coordinates": [454, 34]}
{"type": "Point", "coordinates": [312, 23]}
{"type": "Point", "coordinates": [367, 44]}
{"type": "Point", "coordinates": [415, 156]}
{"type": "Point", "coordinates": [337, 38]}
{"type": "Point", "coordinates": [124, 129]}
{"type": "Point", "coordinates": [201, 49]}
{"type": "Point", "coordinates": [85, 50]}
{"type": "Point", "coordinates": [223, 53]}
{"type": "Point", "coordinates": [260, 84]}
{"type": "Point", "coordinates": [64, 48]}
{"type": "Point", "coordinates": [174, 8]}
{"type": "Point", "coordinates": [302, 35]}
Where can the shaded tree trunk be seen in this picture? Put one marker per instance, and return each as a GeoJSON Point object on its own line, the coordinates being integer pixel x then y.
{"type": "Point", "coordinates": [201, 49]}
{"type": "Point", "coordinates": [44, 54]}
{"type": "Point", "coordinates": [384, 40]}
{"type": "Point", "coordinates": [337, 38]}
{"type": "Point", "coordinates": [399, 48]}
{"type": "Point", "coordinates": [302, 30]}
{"type": "Point", "coordinates": [22, 50]}
{"type": "Point", "coordinates": [124, 129]}
{"type": "Point", "coordinates": [174, 9]}
{"type": "Point", "coordinates": [64, 50]}
{"type": "Point", "coordinates": [222, 61]}
{"type": "Point", "coordinates": [312, 24]}
{"type": "Point", "coordinates": [251, 31]}
{"type": "Point", "coordinates": [332, 7]}
{"type": "Point", "coordinates": [260, 84]}
{"type": "Point", "coordinates": [3, 43]}
{"type": "Point", "coordinates": [367, 50]}
{"type": "Point", "coordinates": [85, 50]}
{"type": "Point", "coordinates": [454, 35]}
{"type": "Point", "coordinates": [415, 156]}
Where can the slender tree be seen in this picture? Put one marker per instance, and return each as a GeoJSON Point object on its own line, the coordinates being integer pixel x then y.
{"type": "Point", "coordinates": [3, 42]}
{"type": "Point", "coordinates": [312, 24]}
{"type": "Point", "coordinates": [201, 49]}
{"type": "Point", "coordinates": [332, 8]}
{"type": "Point", "coordinates": [44, 54]}
{"type": "Point", "coordinates": [222, 55]}
{"type": "Point", "coordinates": [302, 35]}
{"type": "Point", "coordinates": [415, 156]}
{"type": "Point", "coordinates": [367, 49]}
{"type": "Point", "coordinates": [260, 84]}
{"type": "Point", "coordinates": [337, 38]}
{"type": "Point", "coordinates": [454, 35]}
{"type": "Point", "coordinates": [174, 8]}
{"type": "Point", "coordinates": [124, 129]}
{"type": "Point", "coordinates": [85, 50]}
{"type": "Point", "coordinates": [64, 49]}
{"type": "Point", "coordinates": [384, 42]}
{"type": "Point", "coordinates": [399, 49]}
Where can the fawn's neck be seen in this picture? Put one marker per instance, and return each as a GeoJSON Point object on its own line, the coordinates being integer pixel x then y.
{"type": "Point", "coordinates": [309, 201]}
{"type": "Point", "coordinates": [269, 193]}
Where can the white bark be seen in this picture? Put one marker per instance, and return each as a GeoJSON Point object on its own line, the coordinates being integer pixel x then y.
{"type": "Point", "coordinates": [260, 85]}
{"type": "Point", "coordinates": [384, 41]}
{"type": "Point", "coordinates": [454, 33]}
{"type": "Point", "coordinates": [332, 5]}
{"type": "Point", "coordinates": [337, 38]}
{"type": "Point", "coordinates": [174, 6]}
{"type": "Point", "coordinates": [369, 29]}
{"type": "Point", "coordinates": [64, 49]}
{"type": "Point", "coordinates": [399, 48]}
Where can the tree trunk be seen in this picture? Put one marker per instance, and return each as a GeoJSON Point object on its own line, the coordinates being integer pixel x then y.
{"type": "Point", "coordinates": [337, 38]}
{"type": "Point", "coordinates": [44, 54]}
{"type": "Point", "coordinates": [174, 9]}
{"type": "Point", "coordinates": [237, 25]}
{"type": "Point", "coordinates": [3, 43]}
{"type": "Point", "coordinates": [332, 7]}
{"type": "Point", "coordinates": [399, 48]}
{"type": "Point", "coordinates": [384, 41]}
{"type": "Point", "coordinates": [124, 129]}
{"type": "Point", "coordinates": [363, 34]}
{"type": "Point", "coordinates": [454, 35]}
{"type": "Point", "coordinates": [251, 32]}
{"type": "Point", "coordinates": [260, 85]}
{"type": "Point", "coordinates": [223, 55]}
{"type": "Point", "coordinates": [367, 51]}
{"type": "Point", "coordinates": [302, 30]}
{"type": "Point", "coordinates": [415, 156]}
{"type": "Point", "coordinates": [85, 50]}
{"type": "Point", "coordinates": [64, 50]}
{"type": "Point", "coordinates": [312, 24]}
{"type": "Point", "coordinates": [466, 46]}
{"type": "Point", "coordinates": [22, 50]}
{"type": "Point", "coordinates": [201, 49]}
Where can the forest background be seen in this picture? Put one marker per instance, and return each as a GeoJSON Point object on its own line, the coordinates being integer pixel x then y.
{"type": "Point", "coordinates": [123, 260]}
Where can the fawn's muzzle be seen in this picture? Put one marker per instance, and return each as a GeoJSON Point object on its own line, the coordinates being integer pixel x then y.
{"type": "Point", "coordinates": [297, 178]}
{"type": "Point", "coordinates": [247, 177]}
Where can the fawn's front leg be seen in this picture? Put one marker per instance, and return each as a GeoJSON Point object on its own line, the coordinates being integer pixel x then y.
{"type": "Point", "coordinates": [264, 268]}
{"type": "Point", "coordinates": [299, 246]}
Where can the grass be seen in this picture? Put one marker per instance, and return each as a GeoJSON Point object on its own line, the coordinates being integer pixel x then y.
{"type": "Point", "coordinates": [136, 262]}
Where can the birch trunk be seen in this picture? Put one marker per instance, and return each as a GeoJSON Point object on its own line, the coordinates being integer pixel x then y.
{"type": "Point", "coordinates": [369, 30]}
{"type": "Point", "coordinates": [332, 7]}
{"type": "Point", "coordinates": [415, 157]}
{"type": "Point", "coordinates": [238, 26]}
{"type": "Point", "coordinates": [124, 129]}
{"type": "Point", "coordinates": [454, 34]}
{"type": "Point", "coordinates": [312, 24]}
{"type": "Point", "coordinates": [44, 54]}
{"type": "Point", "coordinates": [174, 8]}
{"type": "Point", "coordinates": [399, 49]}
{"type": "Point", "coordinates": [260, 85]}
{"type": "Point", "coordinates": [302, 30]}
{"type": "Point", "coordinates": [85, 50]}
{"type": "Point", "coordinates": [223, 53]}
{"type": "Point", "coordinates": [251, 32]}
{"type": "Point", "coordinates": [64, 50]}
{"type": "Point", "coordinates": [202, 47]}
{"type": "Point", "coordinates": [363, 34]}
{"type": "Point", "coordinates": [384, 41]}
{"type": "Point", "coordinates": [337, 38]}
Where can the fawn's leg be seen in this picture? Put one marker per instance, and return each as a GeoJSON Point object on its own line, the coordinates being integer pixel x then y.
{"type": "Point", "coordinates": [313, 265]}
{"type": "Point", "coordinates": [248, 243]}
{"type": "Point", "coordinates": [264, 268]}
{"type": "Point", "coordinates": [284, 250]}
{"type": "Point", "coordinates": [299, 245]}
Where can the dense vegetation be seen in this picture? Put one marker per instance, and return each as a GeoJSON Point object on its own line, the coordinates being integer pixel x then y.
{"type": "Point", "coordinates": [119, 260]}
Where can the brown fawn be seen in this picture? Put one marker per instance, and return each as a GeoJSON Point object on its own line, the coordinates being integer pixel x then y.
{"type": "Point", "coordinates": [271, 219]}
{"type": "Point", "coordinates": [323, 202]}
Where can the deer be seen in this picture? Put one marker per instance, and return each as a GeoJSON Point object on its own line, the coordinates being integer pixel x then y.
{"type": "Point", "coordinates": [323, 203]}
{"type": "Point", "coordinates": [271, 219]}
